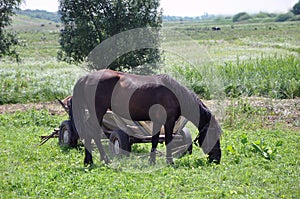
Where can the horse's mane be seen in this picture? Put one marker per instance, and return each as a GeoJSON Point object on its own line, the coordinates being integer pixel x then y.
{"type": "Point", "coordinates": [178, 88]}
{"type": "Point", "coordinates": [183, 94]}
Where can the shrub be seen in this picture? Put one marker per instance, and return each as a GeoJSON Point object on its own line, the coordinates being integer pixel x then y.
{"type": "Point", "coordinates": [242, 16]}
{"type": "Point", "coordinates": [295, 18]}
{"type": "Point", "coordinates": [262, 15]}
{"type": "Point", "coordinates": [284, 17]}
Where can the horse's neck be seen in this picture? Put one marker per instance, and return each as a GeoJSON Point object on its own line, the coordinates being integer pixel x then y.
{"type": "Point", "coordinates": [199, 116]}
{"type": "Point", "coordinates": [205, 118]}
{"type": "Point", "coordinates": [191, 107]}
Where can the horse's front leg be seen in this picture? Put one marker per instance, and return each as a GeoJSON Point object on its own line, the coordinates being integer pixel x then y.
{"type": "Point", "coordinates": [168, 140]}
{"type": "Point", "coordinates": [88, 159]}
{"type": "Point", "coordinates": [169, 126]}
{"type": "Point", "coordinates": [154, 141]}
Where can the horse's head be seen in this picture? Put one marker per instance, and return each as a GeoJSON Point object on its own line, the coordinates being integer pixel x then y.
{"type": "Point", "coordinates": [209, 140]}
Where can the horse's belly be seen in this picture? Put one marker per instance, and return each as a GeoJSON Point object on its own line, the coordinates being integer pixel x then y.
{"type": "Point", "coordinates": [137, 104]}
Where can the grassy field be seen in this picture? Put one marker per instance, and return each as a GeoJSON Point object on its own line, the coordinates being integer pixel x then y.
{"type": "Point", "coordinates": [260, 143]}
{"type": "Point", "coordinates": [259, 161]}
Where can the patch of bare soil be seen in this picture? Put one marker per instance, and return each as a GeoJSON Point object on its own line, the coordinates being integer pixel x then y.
{"type": "Point", "coordinates": [287, 110]}
{"type": "Point", "coordinates": [52, 107]}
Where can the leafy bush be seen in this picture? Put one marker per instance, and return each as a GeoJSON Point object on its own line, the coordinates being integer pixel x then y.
{"type": "Point", "coordinates": [242, 16]}
{"type": "Point", "coordinates": [284, 17]}
{"type": "Point", "coordinates": [264, 15]}
{"type": "Point", "coordinates": [295, 18]}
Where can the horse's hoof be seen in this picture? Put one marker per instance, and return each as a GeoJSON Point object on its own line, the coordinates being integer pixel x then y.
{"type": "Point", "coordinates": [152, 161]}
{"type": "Point", "coordinates": [213, 161]}
{"type": "Point", "coordinates": [88, 163]}
{"type": "Point", "coordinates": [107, 162]}
{"type": "Point", "coordinates": [170, 161]}
{"type": "Point", "coordinates": [105, 159]}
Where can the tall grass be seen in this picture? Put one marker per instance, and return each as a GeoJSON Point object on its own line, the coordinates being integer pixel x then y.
{"type": "Point", "coordinates": [269, 76]}
{"type": "Point", "coordinates": [36, 82]}
{"type": "Point", "coordinates": [272, 76]}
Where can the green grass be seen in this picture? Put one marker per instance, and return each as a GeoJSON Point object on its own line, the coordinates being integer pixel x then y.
{"type": "Point", "coordinates": [256, 163]}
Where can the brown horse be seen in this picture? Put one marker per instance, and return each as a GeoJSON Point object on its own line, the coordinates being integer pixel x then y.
{"type": "Point", "coordinates": [157, 98]}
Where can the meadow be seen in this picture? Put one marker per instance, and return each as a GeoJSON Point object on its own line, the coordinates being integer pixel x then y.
{"type": "Point", "coordinates": [260, 142]}
{"type": "Point", "coordinates": [259, 161]}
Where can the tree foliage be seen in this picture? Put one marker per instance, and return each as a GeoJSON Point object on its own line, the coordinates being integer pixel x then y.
{"type": "Point", "coordinates": [241, 17]}
{"type": "Point", "coordinates": [296, 8]}
{"type": "Point", "coordinates": [8, 39]}
{"type": "Point", "coordinates": [87, 23]}
{"type": "Point", "coordinates": [284, 17]}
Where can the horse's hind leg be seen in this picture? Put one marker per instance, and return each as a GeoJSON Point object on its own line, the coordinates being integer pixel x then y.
{"type": "Point", "coordinates": [155, 140]}
{"type": "Point", "coordinates": [103, 155]}
{"type": "Point", "coordinates": [88, 159]}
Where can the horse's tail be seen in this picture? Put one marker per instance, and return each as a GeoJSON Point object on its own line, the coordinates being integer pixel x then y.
{"type": "Point", "coordinates": [78, 107]}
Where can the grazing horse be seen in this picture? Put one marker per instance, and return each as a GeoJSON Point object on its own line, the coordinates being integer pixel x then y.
{"type": "Point", "coordinates": [157, 98]}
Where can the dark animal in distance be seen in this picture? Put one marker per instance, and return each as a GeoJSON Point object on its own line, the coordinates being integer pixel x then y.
{"type": "Point", "coordinates": [157, 98]}
{"type": "Point", "coordinates": [216, 28]}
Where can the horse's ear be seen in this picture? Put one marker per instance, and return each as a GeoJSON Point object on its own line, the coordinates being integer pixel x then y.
{"type": "Point", "coordinates": [66, 100]}
{"type": "Point", "coordinates": [213, 134]}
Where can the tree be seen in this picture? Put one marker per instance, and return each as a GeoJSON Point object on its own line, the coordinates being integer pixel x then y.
{"type": "Point", "coordinates": [296, 8]}
{"type": "Point", "coordinates": [87, 23]}
{"type": "Point", "coordinates": [8, 39]}
{"type": "Point", "coordinates": [284, 17]}
{"type": "Point", "coordinates": [241, 17]}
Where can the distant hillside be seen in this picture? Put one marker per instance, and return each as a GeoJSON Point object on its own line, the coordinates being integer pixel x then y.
{"type": "Point", "coordinates": [26, 23]}
{"type": "Point", "coordinates": [40, 14]}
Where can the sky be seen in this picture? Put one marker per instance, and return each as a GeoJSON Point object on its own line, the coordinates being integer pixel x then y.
{"type": "Point", "coordinates": [194, 7]}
